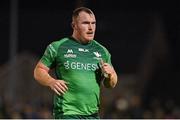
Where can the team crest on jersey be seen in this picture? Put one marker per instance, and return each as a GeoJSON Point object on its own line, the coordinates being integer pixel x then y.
{"type": "Point", "coordinates": [70, 54]}
{"type": "Point", "coordinates": [97, 55]}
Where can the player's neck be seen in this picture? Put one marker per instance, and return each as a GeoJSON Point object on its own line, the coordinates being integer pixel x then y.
{"type": "Point", "coordinates": [79, 40]}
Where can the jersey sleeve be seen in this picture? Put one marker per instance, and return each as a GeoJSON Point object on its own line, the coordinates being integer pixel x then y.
{"type": "Point", "coordinates": [108, 56]}
{"type": "Point", "coordinates": [49, 56]}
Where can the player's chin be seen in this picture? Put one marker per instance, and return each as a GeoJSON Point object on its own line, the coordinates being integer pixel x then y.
{"type": "Point", "coordinates": [89, 38]}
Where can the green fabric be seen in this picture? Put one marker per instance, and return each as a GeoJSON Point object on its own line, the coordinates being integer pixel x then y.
{"type": "Point", "coordinates": [77, 64]}
{"type": "Point", "coordinates": [92, 117]}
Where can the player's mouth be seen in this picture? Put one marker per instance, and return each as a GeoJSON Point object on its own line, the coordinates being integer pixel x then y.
{"type": "Point", "coordinates": [90, 33]}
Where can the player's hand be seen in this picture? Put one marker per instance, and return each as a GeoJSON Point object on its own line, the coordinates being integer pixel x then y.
{"type": "Point", "coordinates": [107, 69]}
{"type": "Point", "coordinates": [59, 86]}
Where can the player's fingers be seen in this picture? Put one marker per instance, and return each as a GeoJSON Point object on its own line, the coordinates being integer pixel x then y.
{"type": "Point", "coordinates": [105, 67]}
{"type": "Point", "coordinates": [105, 64]}
{"type": "Point", "coordinates": [63, 84]}
{"type": "Point", "coordinates": [60, 89]}
{"type": "Point", "coordinates": [59, 86]}
{"type": "Point", "coordinates": [108, 69]}
{"type": "Point", "coordinates": [56, 91]}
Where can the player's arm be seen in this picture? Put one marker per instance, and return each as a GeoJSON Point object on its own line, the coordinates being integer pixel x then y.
{"type": "Point", "coordinates": [41, 74]}
{"type": "Point", "coordinates": [110, 80]}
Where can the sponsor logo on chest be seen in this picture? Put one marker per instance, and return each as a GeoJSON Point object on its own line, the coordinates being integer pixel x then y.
{"type": "Point", "coordinates": [70, 54]}
{"type": "Point", "coordinates": [83, 50]}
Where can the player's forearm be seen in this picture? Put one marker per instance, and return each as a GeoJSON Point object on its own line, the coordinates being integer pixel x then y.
{"type": "Point", "coordinates": [111, 81]}
{"type": "Point", "coordinates": [42, 76]}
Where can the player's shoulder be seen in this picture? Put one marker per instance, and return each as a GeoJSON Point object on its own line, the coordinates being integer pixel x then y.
{"type": "Point", "coordinates": [59, 41]}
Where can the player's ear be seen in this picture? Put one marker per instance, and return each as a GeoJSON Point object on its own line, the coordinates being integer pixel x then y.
{"type": "Point", "coordinates": [72, 25]}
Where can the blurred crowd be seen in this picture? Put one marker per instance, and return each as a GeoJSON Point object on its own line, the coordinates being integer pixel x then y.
{"type": "Point", "coordinates": [121, 107]}
{"type": "Point", "coordinates": [25, 109]}
{"type": "Point", "coordinates": [133, 107]}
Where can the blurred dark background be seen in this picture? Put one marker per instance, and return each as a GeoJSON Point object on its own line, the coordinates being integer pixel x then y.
{"type": "Point", "coordinates": [142, 36]}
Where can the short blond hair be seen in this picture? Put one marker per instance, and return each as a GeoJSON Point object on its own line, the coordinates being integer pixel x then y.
{"type": "Point", "coordinates": [80, 9]}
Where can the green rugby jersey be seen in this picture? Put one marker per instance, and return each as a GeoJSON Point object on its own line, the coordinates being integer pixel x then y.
{"type": "Point", "coordinates": [77, 64]}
